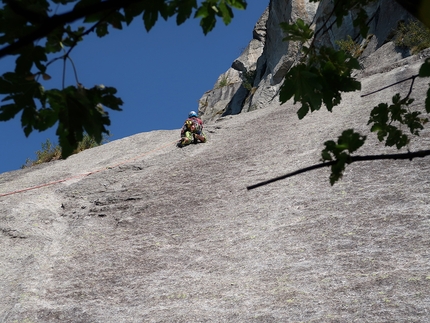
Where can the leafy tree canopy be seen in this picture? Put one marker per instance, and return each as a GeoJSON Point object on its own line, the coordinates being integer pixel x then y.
{"type": "Point", "coordinates": [33, 32]}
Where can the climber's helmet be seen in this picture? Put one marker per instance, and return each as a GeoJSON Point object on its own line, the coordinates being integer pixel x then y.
{"type": "Point", "coordinates": [192, 114]}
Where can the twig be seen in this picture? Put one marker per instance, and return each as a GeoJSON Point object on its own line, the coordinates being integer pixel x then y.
{"type": "Point", "coordinates": [64, 71]}
{"type": "Point", "coordinates": [73, 45]}
{"type": "Point", "coordinates": [74, 69]}
{"type": "Point", "coordinates": [408, 155]}
{"type": "Point", "coordinates": [388, 86]}
{"type": "Point", "coordinates": [412, 85]}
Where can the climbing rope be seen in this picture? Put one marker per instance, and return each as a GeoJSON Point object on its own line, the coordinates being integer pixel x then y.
{"type": "Point", "coordinates": [89, 173]}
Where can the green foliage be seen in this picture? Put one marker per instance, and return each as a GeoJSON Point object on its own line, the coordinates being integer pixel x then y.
{"type": "Point", "coordinates": [223, 82]}
{"type": "Point", "coordinates": [51, 152]}
{"type": "Point", "coordinates": [350, 46]}
{"type": "Point", "coordinates": [88, 142]}
{"type": "Point", "coordinates": [299, 31]}
{"type": "Point", "coordinates": [413, 35]}
{"type": "Point", "coordinates": [248, 78]}
{"type": "Point", "coordinates": [425, 69]}
{"type": "Point", "coordinates": [341, 151]}
{"type": "Point", "coordinates": [210, 9]}
{"type": "Point", "coordinates": [387, 119]}
{"type": "Point", "coordinates": [320, 80]}
{"type": "Point", "coordinates": [341, 8]}
{"type": "Point", "coordinates": [322, 74]}
{"type": "Point", "coordinates": [425, 72]}
{"type": "Point", "coordinates": [31, 31]}
{"type": "Point", "coordinates": [361, 21]}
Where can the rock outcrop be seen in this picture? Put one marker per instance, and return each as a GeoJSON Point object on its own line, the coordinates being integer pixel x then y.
{"type": "Point", "coordinates": [138, 230]}
{"type": "Point", "coordinates": [255, 77]}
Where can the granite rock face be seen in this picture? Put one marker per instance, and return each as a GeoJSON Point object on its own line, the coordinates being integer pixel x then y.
{"type": "Point", "coordinates": [138, 230]}
{"type": "Point", "coordinates": [256, 76]}
{"type": "Point", "coordinates": [232, 87]}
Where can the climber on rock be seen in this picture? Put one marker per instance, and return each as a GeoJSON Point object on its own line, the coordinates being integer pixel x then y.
{"type": "Point", "coordinates": [192, 131]}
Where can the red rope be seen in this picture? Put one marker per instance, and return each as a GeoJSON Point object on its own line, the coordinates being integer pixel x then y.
{"type": "Point", "coordinates": [86, 174]}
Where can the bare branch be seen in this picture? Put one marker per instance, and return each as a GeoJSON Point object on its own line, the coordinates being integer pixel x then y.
{"type": "Point", "coordinates": [408, 155]}
{"type": "Point", "coordinates": [412, 85]}
{"type": "Point", "coordinates": [413, 77]}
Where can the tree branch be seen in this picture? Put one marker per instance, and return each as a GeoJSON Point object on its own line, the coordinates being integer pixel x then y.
{"type": "Point", "coordinates": [408, 155]}
{"type": "Point", "coordinates": [49, 24]}
{"type": "Point", "coordinates": [413, 77]}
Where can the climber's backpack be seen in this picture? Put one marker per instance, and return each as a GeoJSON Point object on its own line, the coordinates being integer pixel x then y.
{"type": "Point", "coordinates": [197, 125]}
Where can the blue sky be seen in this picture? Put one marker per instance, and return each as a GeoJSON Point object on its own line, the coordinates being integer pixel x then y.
{"type": "Point", "coordinates": [159, 75]}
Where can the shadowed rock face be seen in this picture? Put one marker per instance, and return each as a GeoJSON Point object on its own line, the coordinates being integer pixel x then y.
{"type": "Point", "coordinates": [138, 230]}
